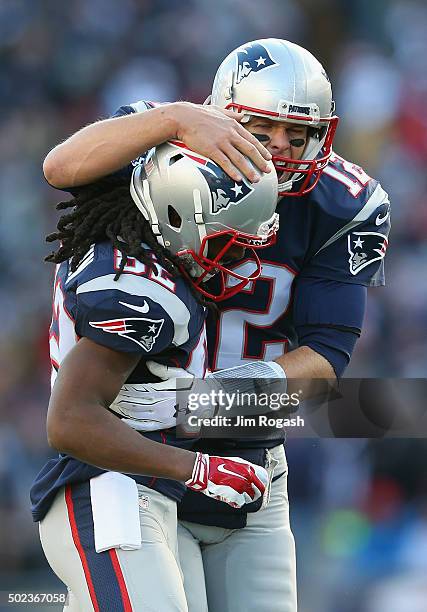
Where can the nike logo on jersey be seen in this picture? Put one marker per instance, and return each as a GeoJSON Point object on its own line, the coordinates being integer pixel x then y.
{"type": "Point", "coordinates": [143, 309]}
{"type": "Point", "coordinates": [380, 219]}
{"type": "Point", "coordinates": [223, 469]}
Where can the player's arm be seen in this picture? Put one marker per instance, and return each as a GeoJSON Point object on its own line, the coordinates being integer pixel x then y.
{"type": "Point", "coordinates": [328, 317]}
{"type": "Point", "coordinates": [305, 363]}
{"type": "Point", "coordinates": [106, 146]}
{"type": "Point", "coordinates": [79, 423]}
{"type": "Point", "coordinates": [331, 293]}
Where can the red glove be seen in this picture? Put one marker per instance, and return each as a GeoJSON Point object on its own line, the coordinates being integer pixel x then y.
{"type": "Point", "coordinates": [229, 479]}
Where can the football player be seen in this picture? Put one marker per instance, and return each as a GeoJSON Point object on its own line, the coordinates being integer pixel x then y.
{"type": "Point", "coordinates": [130, 285]}
{"type": "Point", "coordinates": [306, 309]}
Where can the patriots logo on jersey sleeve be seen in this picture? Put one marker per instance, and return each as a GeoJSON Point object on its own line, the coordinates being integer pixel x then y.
{"type": "Point", "coordinates": [252, 58]}
{"type": "Point", "coordinates": [365, 248]}
{"type": "Point", "coordinates": [224, 190]}
{"type": "Point", "coordinates": [142, 331]}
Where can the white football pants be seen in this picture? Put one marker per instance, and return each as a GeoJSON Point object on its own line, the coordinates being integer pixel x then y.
{"type": "Point", "coordinates": [145, 580]}
{"type": "Point", "coordinates": [252, 569]}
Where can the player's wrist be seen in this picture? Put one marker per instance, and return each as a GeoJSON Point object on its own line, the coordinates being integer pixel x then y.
{"type": "Point", "coordinates": [251, 377]}
{"type": "Point", "coordinates": [277, 369]}
{"type": "Point", "coordinates": [176, 113]}
{"type": "Point", "coordinates": [183, 465]}
{"type": "Point", "coordinates": [199, 476]}
{"type": "Point", "coordinates": [232, 480]}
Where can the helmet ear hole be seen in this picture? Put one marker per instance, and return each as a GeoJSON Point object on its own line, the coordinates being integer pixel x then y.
{"type": "Point", "coordinates": [175, 158]}
{"type": "Point", "coordinates": [174, 218]}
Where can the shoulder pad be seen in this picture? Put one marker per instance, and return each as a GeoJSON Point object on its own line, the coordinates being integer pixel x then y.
{"type": "Point", "coordinates": [136, 325]}
{"type": "Point", "coordinates": [343, 189]}
{"type": "Point", "coordinates": [134, 294]}
{"type": "Point", "coordinates": [374, 212]}
{"type": "Point", "coordinates": [95, 291]}
{"type": "Point", "coordinates": [355, 251]}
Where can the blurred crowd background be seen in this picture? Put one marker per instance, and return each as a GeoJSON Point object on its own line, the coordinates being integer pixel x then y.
{"type": "Point", "coordinates": [359, 509]}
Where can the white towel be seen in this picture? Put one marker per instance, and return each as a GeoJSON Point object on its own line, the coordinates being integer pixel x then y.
{"type": "Point", "coordinates": [115, 510]}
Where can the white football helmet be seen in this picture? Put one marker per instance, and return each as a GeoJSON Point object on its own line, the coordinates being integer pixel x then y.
{"type": "Point", "coordinates": [189, 201]}
{"type": "Point", "coordinates": [282, 81]}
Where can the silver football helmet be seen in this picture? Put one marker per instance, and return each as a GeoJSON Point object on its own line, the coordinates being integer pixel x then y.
{"type": "Point", "coordinates": [282, 81]}
{"type": "Point", "coordinates": [190, 202]}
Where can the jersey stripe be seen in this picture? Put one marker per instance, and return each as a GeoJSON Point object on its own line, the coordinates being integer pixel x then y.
{"type": "Point", "coordinates": [78, 545]}
{"type": "Point", "coordinates": [127, 606]}
{"type": "Point", "coordinates": [103, 573]}
{"type": "Point", "coordinates": [87, 259]}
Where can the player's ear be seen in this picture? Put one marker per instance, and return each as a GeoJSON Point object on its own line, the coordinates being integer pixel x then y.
{"type": "Point", "coordinates": [207, 101]}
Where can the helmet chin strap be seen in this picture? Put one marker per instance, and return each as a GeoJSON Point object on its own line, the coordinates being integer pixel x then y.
{"type": "Point", "coordinates": [198, 215]}
{"type": "Point", "coordinates": [197, 270]}
{"type": "Point", "coordinates": [146, 206]}
{"type": "Point", "coordinates": [152, 212]}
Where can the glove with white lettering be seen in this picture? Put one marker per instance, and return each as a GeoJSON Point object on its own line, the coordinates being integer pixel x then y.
{"type": "Point", "coordinates": [229, 479]}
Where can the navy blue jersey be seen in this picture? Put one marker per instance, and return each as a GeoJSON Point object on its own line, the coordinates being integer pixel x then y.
{"type": "Point", "coordinates": [337, 232]}
{"type": "Point", "coordinates": [147, 312]}
{"type": "Point", "coordinates": [333, 237]}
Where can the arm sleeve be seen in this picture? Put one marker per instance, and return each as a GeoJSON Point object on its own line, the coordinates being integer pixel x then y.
{"type": "Point", "coordinates": [328, 318]}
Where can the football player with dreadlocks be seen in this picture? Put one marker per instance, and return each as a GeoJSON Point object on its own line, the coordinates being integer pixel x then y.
{"type": "Point", "coordinates": [129, 286]}
{"type": "Point", "coordinates": [305, 311]}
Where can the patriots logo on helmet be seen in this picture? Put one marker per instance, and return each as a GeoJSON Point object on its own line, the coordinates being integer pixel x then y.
{"type": "Point", "coordinates": [224, 190]}
{"type": "Point", "coordinates": [142, 331]}
{"type": "Point", "coordinates": [252, 58]}
{"type": "Point", "coordinates": [364, 249]}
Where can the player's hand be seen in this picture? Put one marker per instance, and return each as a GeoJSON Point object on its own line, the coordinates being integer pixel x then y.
{"type": "Point", "coordinates": [180, 393]}
{"type": "Point", "coordinates": [217, 133]}
{"type": "Point", "coordinates": [229, 479]}
{"type": "Point", "coordinates": [168, 375]}
{"type": "Point", "coordinates": [144, 405]}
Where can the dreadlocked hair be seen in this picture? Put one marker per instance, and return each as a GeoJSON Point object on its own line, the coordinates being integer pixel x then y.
{"type": "Point", "coordinates": [105, 211]}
